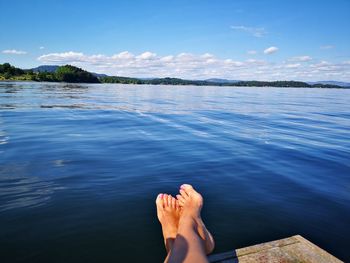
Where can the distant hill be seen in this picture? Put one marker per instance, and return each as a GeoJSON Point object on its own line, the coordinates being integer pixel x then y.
{"type": "Point", "coordinates": [331, 82]}
{"type": "Point", "coordinates": [177, 81]}
{"type": "Point", "coordinates": [99, 75]}
{"type": "Point", "coordinates": [50, 73]}
{"type": "Point", "coordinates": [316, 83]}
{"type": "Point", "coordinates": [216, 80]}
{"type": "Point", "coordinates": [71, 74]}
{"type": "Point", "coordinates": [53, 68]}
{"type": "Point", "coordinates": [45, 68]}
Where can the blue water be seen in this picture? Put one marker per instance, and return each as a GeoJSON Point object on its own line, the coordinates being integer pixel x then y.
{"type": "Point", "coordinates": [81, 165]}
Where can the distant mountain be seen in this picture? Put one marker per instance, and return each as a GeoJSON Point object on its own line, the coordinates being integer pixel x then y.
{"type": "Point", "coordinates": [99, 75]}
{"type": "Point", "coordinates": [53, 68]}
{"type": "Point", "coordinates": [146, 78]}
{"type": "Point", "coordinates": [331, 82]}
{"type": "Point", "coordinates": [45, 68]}
{"type": "Point", "coordinates": [216, 80]}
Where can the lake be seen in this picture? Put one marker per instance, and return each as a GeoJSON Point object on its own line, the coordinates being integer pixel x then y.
{"type": "Point", "coordinates": [81, 166]}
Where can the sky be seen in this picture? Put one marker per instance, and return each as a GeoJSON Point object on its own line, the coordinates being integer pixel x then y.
{"type": "Point", "coordinates": [192, 39]}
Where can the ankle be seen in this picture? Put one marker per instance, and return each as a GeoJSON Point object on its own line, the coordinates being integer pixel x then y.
{"type": "Point", "coordinates": [188, 221]}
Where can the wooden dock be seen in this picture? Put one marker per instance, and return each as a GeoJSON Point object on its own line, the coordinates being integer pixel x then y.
{"type": "Point", "coordinates": [292, 249]}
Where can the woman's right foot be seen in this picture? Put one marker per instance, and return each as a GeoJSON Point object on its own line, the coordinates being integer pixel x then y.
{"type": "Point", "coordinates": [168, 212]}
{"type": "Point", "coordinates": [191, 203]}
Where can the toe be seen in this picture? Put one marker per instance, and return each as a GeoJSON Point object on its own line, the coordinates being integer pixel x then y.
{"type": "Point", "coordinates": [177, 205]}
{"type": "Point", "coordinates": [180, 199]}
{"type": "Point", "coordinates": [165, 200]}
{"type": "Point", "coordinates": [184, 194]}
{"type": "Point", "coordinates": [159, 200]}
{"type": "Point", "coordinates": [187, 188]}
{"type": "Point", "coordinates": [169, 200]}
{"type": "Point", "coordinates": [173, 202]}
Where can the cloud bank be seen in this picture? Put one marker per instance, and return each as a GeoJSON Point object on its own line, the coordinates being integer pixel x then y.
{"type": "Point", "coordinates": [14, 52]}
{"type": "Point", "coordinates": [202, 66]}
{"type": "Point", "coordinates": [301, 58]}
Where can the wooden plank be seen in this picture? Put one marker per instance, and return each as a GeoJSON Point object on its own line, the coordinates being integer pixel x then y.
{"type": "Point", "coordinates": [287, 250]}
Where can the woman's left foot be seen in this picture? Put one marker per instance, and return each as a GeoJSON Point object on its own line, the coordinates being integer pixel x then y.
{"type": "Point", "coordinates": [168, 212]}
{"type": "Point", "coordinates": [191, 202]}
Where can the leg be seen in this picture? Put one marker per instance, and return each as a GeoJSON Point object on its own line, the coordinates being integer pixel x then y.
{"type": "Point", "coordinates": [189, 246]}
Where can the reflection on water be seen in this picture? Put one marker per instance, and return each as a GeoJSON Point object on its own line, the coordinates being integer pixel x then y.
{"type": "Point", "coordinates": [81, 165]}
{"type": "Point", "coordinates": [26, 192]}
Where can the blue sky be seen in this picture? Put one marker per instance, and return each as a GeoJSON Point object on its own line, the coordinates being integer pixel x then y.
{"type": "Point", "coordinates": [263, 40]}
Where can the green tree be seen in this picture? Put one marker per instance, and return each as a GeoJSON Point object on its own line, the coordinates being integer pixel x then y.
{"type": "Point", "coordinates": [73, 74]}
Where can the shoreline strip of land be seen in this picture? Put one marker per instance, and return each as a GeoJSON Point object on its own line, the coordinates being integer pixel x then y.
{"type": "Point", "coordinates": [72, 74]}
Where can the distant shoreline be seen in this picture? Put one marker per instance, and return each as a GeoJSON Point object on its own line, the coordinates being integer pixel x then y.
{"type": "Point", "coordinates": [72, 74]}
{"type": "Point", "coordinates": [184, 85]}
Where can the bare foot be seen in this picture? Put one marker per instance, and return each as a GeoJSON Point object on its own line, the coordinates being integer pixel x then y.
{"type": "Point", "coordinates": [191, 203]}
{"type": "Point", "coordinates": [168, 212]}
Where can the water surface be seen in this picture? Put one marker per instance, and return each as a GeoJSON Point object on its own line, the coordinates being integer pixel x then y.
{"type": "Point", "coordinates": [81, 165]}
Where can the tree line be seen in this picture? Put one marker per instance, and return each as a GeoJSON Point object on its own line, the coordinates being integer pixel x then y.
{"type": "Point", "coordinates": [65, 73]}
{"type": "Point", "coordinates": [177, 81]}
{"type": "Point", "coordinates": [71, 74]}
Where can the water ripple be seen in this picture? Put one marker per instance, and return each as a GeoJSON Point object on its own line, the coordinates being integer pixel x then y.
{"type": "Point", "coordinates": [81, 165]}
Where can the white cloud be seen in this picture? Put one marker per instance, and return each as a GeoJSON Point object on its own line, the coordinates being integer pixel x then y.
{"type": "Point", "coordinates": [14, 52]}
{"type": "Point", "coordinates": [147, 55]}
{"type": "Point", "coordinates": [207, 56]}
{"type": "Point", "coordinates": [255, 62]}
{"type": "Point", "coordinates": [41, 47]}
{"type": "Point", "coordinates": [252, 52]}
{"type": "Point", "coordinates": [301, 59]}
{"type": "Point", "coordinates": [270, 50]}
{"type": "Point", "coordinates": [201, 66]}
{"type": "Point", "coordinates": [185, 57]}
{"type": "Point", "coordinates": [327, 47]}
{"type": "Point", "coordinates": [167, 58]}
{"type": "Point", "coordinates": [255, 31]}
{"type": "Point", "coordinates": [62, 58]}
{"type": "Point", "coordinates": [322, 63]}
{"type": "Point", "coordinates": [294, 65]}
{"type": "Point", "coordinates": [123, 55]}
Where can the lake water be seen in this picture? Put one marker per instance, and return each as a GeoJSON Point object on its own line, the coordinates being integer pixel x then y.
{"type": "Point", "coordinates": [81, 165]}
